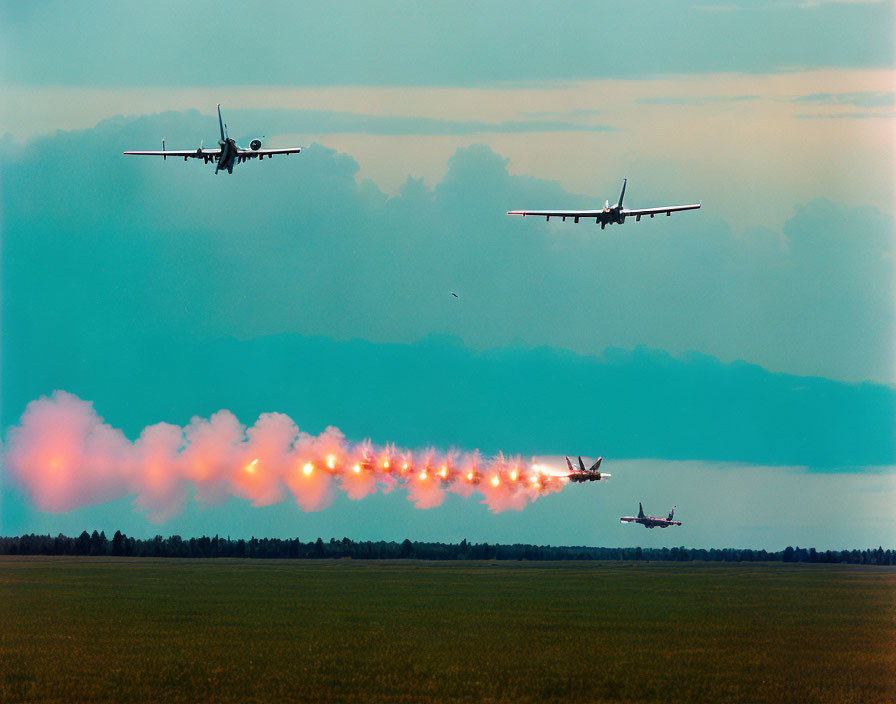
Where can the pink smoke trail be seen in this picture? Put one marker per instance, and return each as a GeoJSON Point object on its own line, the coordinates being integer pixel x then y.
{"type": "Point", "coordinates": [66, 457]}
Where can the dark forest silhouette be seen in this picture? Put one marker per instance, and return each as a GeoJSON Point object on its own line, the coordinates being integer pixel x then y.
{"type": "Point", "coordinates": [271, 548]}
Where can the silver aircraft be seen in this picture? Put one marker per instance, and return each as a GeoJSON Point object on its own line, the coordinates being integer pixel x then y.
{"type": "Point", "coordinates": [228, 153]}
{"type": "Point", "coordinates": [609, 215]}
{"type": "Point", "coordinates": [651, 521]}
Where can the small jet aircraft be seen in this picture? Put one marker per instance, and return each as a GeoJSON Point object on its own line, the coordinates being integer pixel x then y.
{"type": "Point", "coordinates": [593, 474]}
{"type": "Point", "coordinates": [608, 215]}
{"type": "Point", "coordinates": [651, 521]}
{"type": "Point", "coordinates": [228, 153]}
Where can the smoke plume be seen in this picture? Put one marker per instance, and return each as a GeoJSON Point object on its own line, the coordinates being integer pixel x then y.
{"type": "Point", "coordinates": [65, 457]}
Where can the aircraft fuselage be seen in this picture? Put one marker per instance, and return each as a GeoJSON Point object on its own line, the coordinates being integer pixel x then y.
{"type": "Point", "coordinates": [586, 476]}
{"type": "Point", "coordinates": [650, 521]}
{"type": "Point", "coordinates": [612, 216]}
{"type": "Point", "coordinates": [228, 156]}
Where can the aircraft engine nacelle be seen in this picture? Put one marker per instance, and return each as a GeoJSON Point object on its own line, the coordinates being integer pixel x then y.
{"type": "Point", "coordinates": [255, 145]}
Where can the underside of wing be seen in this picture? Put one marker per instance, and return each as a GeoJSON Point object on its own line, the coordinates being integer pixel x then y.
{"type": "Point", "coordinates": [548, 214]}
{"type": "Point", "coordinates": [194, 153]}
{"type": "Point", "coordinates": [269, 153]}
{"type": "Point", "coordinates": [657, 211]}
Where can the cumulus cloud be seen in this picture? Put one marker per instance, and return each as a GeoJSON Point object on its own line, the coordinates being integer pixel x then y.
{"type": "Point", "coordinates": [144, 246]}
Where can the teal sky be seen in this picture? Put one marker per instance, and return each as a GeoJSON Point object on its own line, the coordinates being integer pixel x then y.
{"type": "Point", "coordinates": [408, 43]}
{"type": "Point", "coordinates": [751, 338]}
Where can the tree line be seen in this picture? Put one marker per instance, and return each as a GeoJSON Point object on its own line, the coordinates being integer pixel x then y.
{"type": "Point", "coordinates": [269, 548]}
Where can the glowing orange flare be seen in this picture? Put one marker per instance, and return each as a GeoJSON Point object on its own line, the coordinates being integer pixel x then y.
{"type": "Point", "coordinates": [385, 464]}
{"type": "Point", "coordinates": [423, 474]}
{"type": "Point", "coordinates": [356, 469]}
{"type": "Point", "coordinates": [308, 468]}
{"type": "Point", "coordinates": [250, 468]}
{"type": "Point", "coordinates": [513, 476]}
{"type": "Point", "coordinates": [444, 472]}
{"type": "Point", "coordinates": [469, 476]}
{"type": "Point", "coordinates": [404, 466]}
{"type": "Point", "coordinates": [331, 461]}
{"type": "Point", "coordinates": [495, 480]}
{"type": "Point", "coordinates": [535, 480]}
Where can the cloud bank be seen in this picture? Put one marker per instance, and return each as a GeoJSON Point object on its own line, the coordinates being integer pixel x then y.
{"type": "Point", "coordinates": [543, 401]}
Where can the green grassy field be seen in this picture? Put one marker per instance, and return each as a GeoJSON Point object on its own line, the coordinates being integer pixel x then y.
{"type": "Point", "coordinates": [144, 630]}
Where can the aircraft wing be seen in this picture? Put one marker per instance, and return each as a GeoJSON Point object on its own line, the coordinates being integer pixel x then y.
{"type": "Point", "coordinates": [656, 211]}
{"type": "Point", "coordinates": [269, 153]}
{"type": "Point", "coordinates": [558, 213]}
{"type": "Point", "coordinates": [186, 153]}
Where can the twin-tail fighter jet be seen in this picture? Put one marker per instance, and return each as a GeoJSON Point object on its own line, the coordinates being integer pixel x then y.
{"type": "Point", "coordinates": [609, 215]}
{"type": "Point", "coordinates": [651, 521]}
{"type": "Point", "coordinates": [228, 153]}
{"type": "Point", "coordinates": [593, 474]}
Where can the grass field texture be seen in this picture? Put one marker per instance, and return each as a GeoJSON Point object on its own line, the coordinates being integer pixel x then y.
{"type": "Point", "coordinates": [146, 630]}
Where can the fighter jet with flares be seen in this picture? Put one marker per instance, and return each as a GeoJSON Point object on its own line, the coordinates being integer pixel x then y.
{"type": "Point", "coordinates": [651, 521]}
{"type": "Point", "coordinates": [608, 215]}
{"type": "Point", "coordinates": [226, 156]}
{"type": "Point", "coordinates": [593, 474]}
{"type": "Point", "coordinates": [64, 456]}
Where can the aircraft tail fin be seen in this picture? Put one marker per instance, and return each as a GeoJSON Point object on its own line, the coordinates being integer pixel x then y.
{"type": "Point", "coordinates": [596, 465]}
{"type": "Point", "coordinates": [581, 464]}
{"type": "Point", "coordinates": [671, 514]}
{"type": "Point", "coordinates": [640, 510]}
{"type": "Point", "coordinates": [221, 124]}
{"type": "Point", "coordinates": [622, 193]}
{"type": "Point", "coordinates": [569, 464]}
